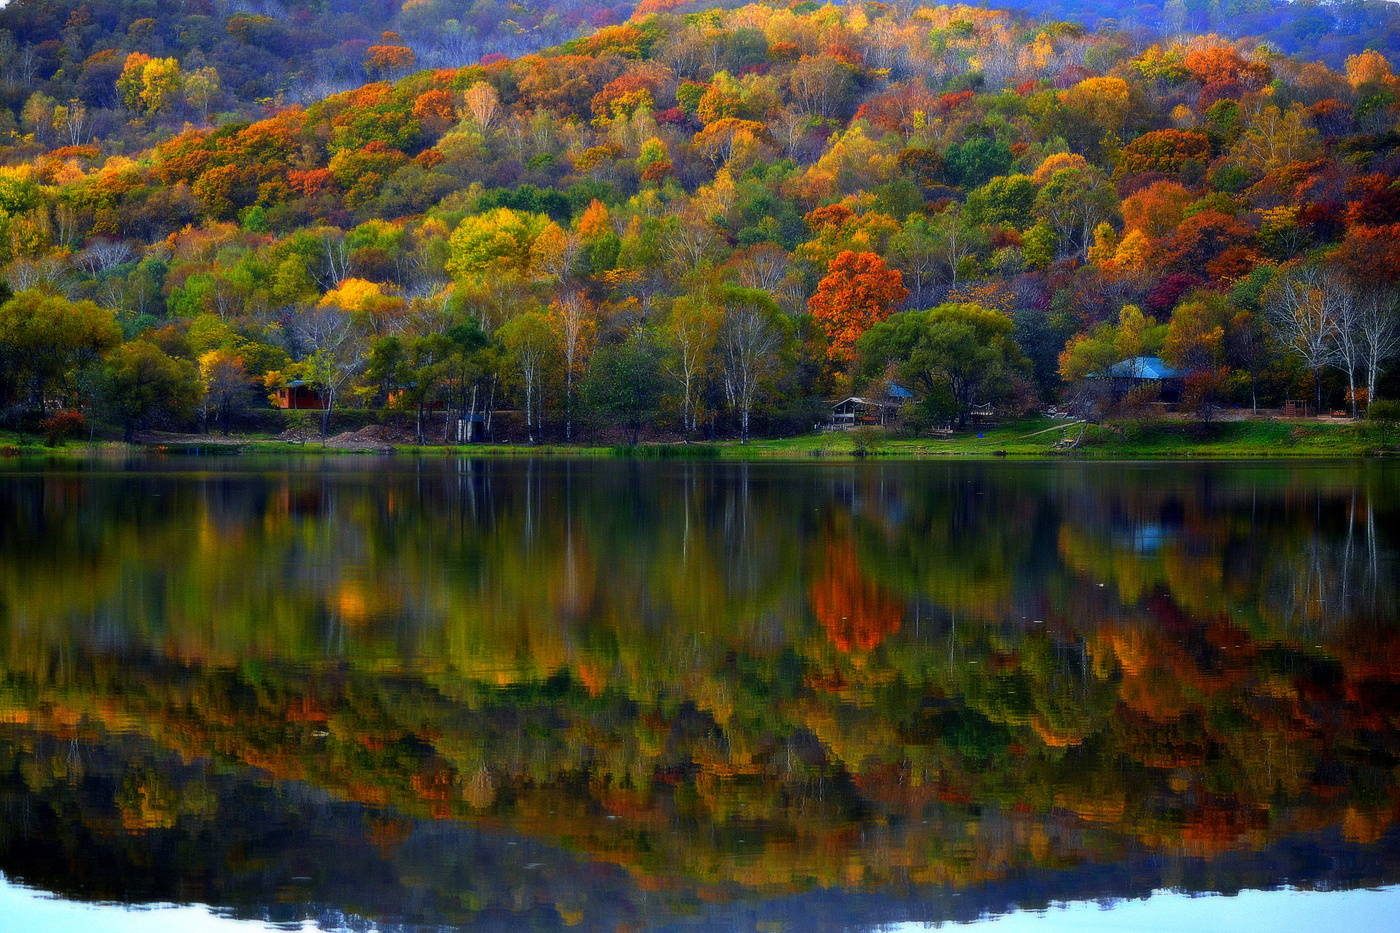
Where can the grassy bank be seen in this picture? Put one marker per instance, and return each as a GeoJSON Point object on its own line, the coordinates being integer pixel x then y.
{"type": "Point", "coordinates": [1036, 438]}
{"type": "Point", "coordinates": [1030, 437]}
{"type": "Point", "coordinates": [1043, 437]}
{"type": "Point", "coordinates": [28, 445]}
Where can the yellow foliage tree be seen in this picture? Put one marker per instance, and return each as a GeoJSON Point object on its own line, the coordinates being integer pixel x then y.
{"type": "Point", "coordinates": [149, 85]}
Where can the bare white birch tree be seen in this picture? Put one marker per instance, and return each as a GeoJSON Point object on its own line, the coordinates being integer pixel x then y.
{"type": "Point", "coordinates": [1301, 307]}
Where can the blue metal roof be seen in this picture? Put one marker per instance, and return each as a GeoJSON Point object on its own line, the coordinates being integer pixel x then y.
{"type": "Point", "coordinates": [898, 391]}
{"type": "Point", "coordinates": [1143, 367]}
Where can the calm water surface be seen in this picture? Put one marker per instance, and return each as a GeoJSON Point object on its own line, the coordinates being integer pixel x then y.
{"type": "Point", "coordinates": [400, 694]}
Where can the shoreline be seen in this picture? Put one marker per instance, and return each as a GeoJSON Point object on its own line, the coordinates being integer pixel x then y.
{"type": "Point", "coordinates": [1029, 439]}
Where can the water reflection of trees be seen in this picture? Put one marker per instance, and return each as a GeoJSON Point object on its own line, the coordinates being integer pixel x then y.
{"type": "Point", "coordinates": [761, 677]}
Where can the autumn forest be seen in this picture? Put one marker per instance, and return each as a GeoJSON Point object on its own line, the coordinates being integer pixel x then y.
{"type": "Point", "coordinates": [681, 223]}
{"type": "Point", "coordinates": [699, 465]}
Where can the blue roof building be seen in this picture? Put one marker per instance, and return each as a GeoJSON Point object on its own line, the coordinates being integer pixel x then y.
{"type": "Point", "coordinates": [1151, 373]}
{"type": "Point", "coordinates": [1151, 368]}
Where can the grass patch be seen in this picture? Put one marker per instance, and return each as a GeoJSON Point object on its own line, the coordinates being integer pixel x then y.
{"type": "Point", "coordinates": [666, 451]}
{"type": "Point", "coordinates": [28, 446]}
{"type": "Point", "coordinates": [995, 440]}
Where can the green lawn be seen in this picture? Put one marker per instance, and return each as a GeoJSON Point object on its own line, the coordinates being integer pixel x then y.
{"type": "Point", "coordinates": [989, 441]}
{"type": "Point", "coordinates": [1247, 439]}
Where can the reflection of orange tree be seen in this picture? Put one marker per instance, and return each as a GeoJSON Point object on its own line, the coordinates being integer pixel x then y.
{"type": "Point", "coordinates": [856, 613]}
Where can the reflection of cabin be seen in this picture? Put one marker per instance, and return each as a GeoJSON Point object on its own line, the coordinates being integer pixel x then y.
{"type": "Point", "coordinates": [856, 411]}
{"type": "Point", "coordinates": [1140, 371]}
{"type": "Point", "coordinates": [297, 395]}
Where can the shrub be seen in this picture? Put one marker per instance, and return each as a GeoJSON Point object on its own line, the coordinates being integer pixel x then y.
{"type": "Point", "coordinates": [61, 425]}
{"type": "Point", "coordinates": [303, 423]}
{"type": "Point", "coordinates": [1384, 409]}
{"type": "Point", "coordinates": [865, 441]}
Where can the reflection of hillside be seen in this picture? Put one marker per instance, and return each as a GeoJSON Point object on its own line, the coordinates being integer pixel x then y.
{"type": "Point", "coordinates": [424, 560]}
{"type": "Point", "coordinates": [1035, 761]}
{"type": "Point", "coordinates": [286, 851]}
{"type": "Point", "coordinates": [733, 681]}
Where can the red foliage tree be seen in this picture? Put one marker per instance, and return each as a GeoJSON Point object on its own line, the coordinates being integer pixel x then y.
{"type": "Point", "coordinates": [1372, 254]}
{"type": "Point", "coordinates": [1375, 201]}
{"type": "Point", "coordinates": [1201, 237]}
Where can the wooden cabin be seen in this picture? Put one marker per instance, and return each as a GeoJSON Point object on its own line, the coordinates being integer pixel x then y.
{"type": "Point", "coordinates": [297, 395]}
{"type": "Point", "coordinates": [859, 411]}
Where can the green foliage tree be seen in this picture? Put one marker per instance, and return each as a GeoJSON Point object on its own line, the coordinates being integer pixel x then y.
{"type": "Point", "coordinates": [625, 382]}
{"type": "Point", "coordinates": [45, 339]}
{"type": "Point", "coordinates": [494, 243]}
{"type": "Point", "coordinates": [974, 162]}
{"type": "Point", "coordinates": [531, 346]}
{"type": "Point", "coordinates": [1005, 201]}
{"type": "Point", "coordinates": [1073, 202]}
{"type": "Point", "coordinates": [473, 360]}
{"type": "Point", "coordinates": [140, 385]}
{"type": "Point", "coordinates": [958, 356]}
{"type": "Point", "coordinates": [754, 346]}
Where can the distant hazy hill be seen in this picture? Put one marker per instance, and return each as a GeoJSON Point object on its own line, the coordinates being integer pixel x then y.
{"type": "Point", "coordinates": [303, 50]}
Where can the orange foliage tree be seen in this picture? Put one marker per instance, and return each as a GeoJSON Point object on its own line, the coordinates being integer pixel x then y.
{"type": "Point", "coordinates": [1167, 151]}
{"type": "Point", "coordinates": [857, 292]}
{"type": "Point", "coordinates": [390, 56]}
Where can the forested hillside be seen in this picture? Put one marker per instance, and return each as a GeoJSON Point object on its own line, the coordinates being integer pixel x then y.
{"type": "Point", "coordinates": [707, 223]}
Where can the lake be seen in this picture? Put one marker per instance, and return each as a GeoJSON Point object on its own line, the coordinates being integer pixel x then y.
{"type": "Point", "coordinates": [394, 693]}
